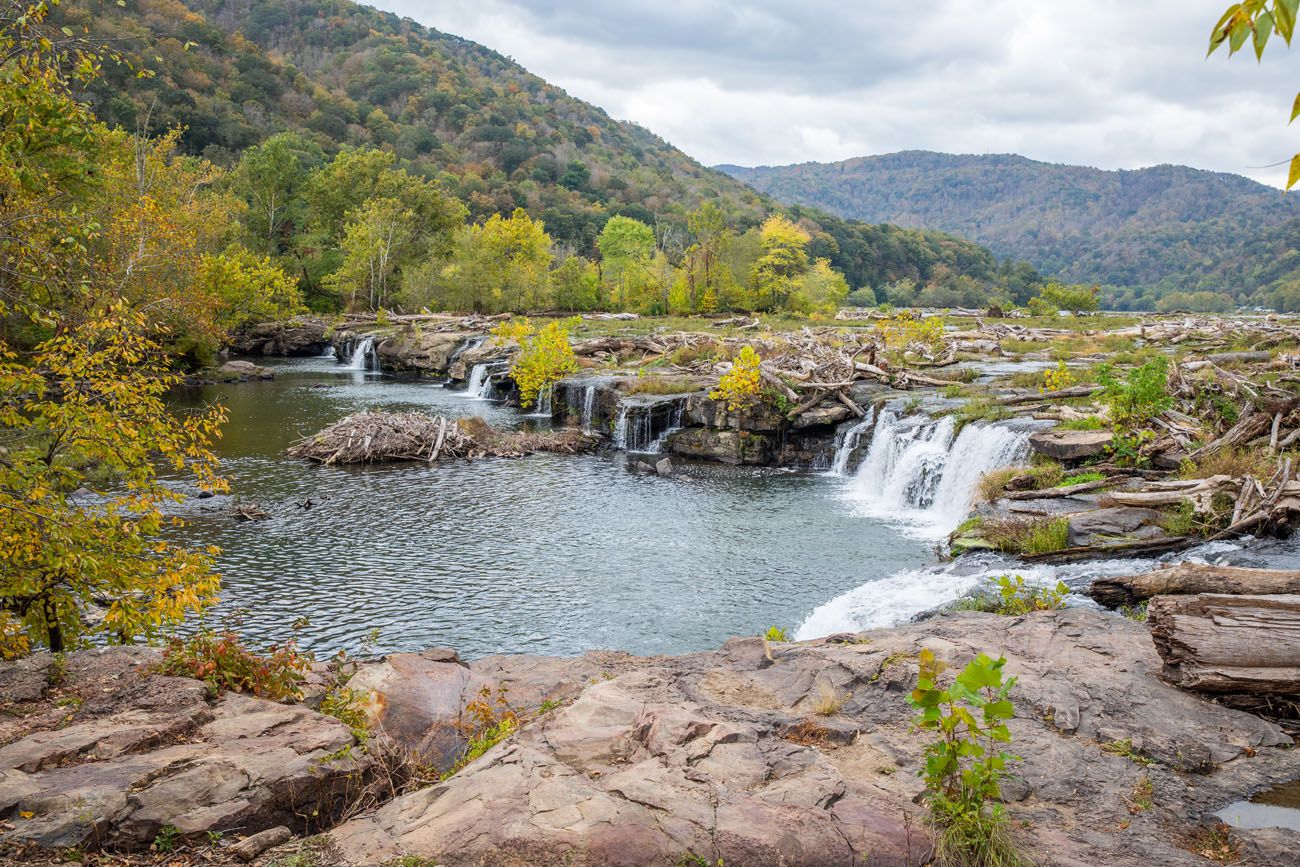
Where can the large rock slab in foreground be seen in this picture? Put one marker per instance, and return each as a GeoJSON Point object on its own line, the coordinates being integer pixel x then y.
{"type": "Point", "coordinates": [1070, 445]}
{"type": "Point", "coordinates": [723, 756]}
{"type": "Point", "coordinates": [112, 753]}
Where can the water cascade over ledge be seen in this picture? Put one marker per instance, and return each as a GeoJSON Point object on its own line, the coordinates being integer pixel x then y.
{"type": "Point", "coordinates": [364, 356]}
{"type": "Point", "coordinates": [921, 473]}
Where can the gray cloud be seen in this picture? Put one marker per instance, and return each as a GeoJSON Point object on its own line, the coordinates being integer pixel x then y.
{"type": "Point", "coordinates": [1109, 83]}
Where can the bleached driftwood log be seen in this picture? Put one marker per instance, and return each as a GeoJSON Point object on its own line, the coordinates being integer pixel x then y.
{"type": "Point", "coordinates": [1229, 644]}
{"type": "Point", "coordinates": [1184, 579]}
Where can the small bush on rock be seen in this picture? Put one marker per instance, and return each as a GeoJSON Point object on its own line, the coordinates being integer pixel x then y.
{"type": "Point", "coordinates": [223, 662]}
{"type": "Point", "coordinates": [742, 386]}
{"type": "Point", "coordinates": [965, 762]}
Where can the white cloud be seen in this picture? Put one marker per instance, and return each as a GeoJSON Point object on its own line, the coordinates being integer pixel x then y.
{"type": "Point", "coordinates": [1108, 83]}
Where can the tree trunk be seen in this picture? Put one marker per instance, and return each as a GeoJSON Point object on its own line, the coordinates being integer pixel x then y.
{"type": "Point", "coordinates": [1191, 578]}
{"type": "Point", "coordinates": [1229, 644]}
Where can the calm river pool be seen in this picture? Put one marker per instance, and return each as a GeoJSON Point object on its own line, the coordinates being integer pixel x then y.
{"type": "Point", "coordinates": [546, 554]}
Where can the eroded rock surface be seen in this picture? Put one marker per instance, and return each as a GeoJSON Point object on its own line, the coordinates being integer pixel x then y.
{"type": "Point", "coordinates": [304, 335]}
{"type": "Point", "coordinates": [108, 753]}
{"type": "Point", "coordinates": [1070, 445]}
{"type": "Point", "coordinates": [722, 755]}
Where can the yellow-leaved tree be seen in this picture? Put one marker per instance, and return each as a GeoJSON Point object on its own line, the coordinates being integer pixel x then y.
{"type": "Point", "coordinates": [741, 386]}
{"type": "Point", "coordinates": [545, 355]}
{"type": "Point", "coordinates": [85, 433]}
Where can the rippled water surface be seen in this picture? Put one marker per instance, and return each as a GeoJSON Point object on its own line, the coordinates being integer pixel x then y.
{"type": "Point", "coordinates": [545, 554]}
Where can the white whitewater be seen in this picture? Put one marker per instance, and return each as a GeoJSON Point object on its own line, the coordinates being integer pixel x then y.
{"type": "Point", "coordinates": [588, 407]}
{"type": "Point", "coordinates": [847, 442]}
{"type": "Point", "coordinates": [903, 595]}
{"type": "Point", "coordinates": [918, 473]}
{"type": "Point", "coordinates": [543, 408]}
{"type": "Point", "coordinates": [478, 381]}
{"type": "Point", "coordinates": [364, 355]}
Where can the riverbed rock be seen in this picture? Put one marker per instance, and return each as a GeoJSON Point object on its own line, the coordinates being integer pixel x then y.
{"type": "Point", "coordinates": [1115, 525]}
{"type": "Point", "coordinates": [1070, 445]}
{"type": "Point", "coordinates": [429, 352]}
{"type": "Point", "coordinates": [722, 755]}
{"type": "Point", "coordinates": [301, 336]}
{"type": "Point", "coordinates": [113, 752]}
{"type": "Point", "coordinates": [242, 371]}
{"type": "Point", "coordinates": [725, 446]}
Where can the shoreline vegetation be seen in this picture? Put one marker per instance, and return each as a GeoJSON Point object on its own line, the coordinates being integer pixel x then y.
{"type": "Point", "coordinates": [714, 326]}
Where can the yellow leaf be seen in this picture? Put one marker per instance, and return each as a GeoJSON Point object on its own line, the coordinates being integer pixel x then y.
{"type": "Point", "coordinates": [1293, 176]}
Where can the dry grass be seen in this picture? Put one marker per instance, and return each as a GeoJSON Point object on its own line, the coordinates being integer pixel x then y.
{"type": "Point", "coordinates": [1231, 462]}
{"type": "Point", "coordinates": [828, 701]}
{"type": "Point", "coordinates": [656, 384]}
{"type": "Point", "coordinates": [1041, 536]}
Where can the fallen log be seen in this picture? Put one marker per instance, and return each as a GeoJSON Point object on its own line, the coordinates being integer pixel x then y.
{"type": "Point", "coordinates": [1059, 394]}
{"type": "Point", "coordinates": [1184, 579]}
{"type": "Point", "coordinates": [1066, 491]}
{"type": "Point", "coordinates": [1229, 644]}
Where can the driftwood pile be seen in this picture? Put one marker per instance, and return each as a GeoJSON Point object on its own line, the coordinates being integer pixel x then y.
{"type": "Point", "coordinates": [1229, 631]}
{"type": "Point", "coordinates": [376, 437]}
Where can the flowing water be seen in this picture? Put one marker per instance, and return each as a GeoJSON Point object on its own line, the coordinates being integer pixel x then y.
{"type": "Point", "coordinates": [560, 554]}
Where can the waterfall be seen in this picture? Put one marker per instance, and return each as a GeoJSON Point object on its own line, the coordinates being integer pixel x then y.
{"type": "Point", "coordinates": [918, 472]}
{"type": "Point", "coordinates": [643, 426]}
{"type": "Point", "coordinates": [471, 343]}
{"type": "Point", "coordinates": [848, 440]}
{"type": "Point", "coordinates": [588, 407]}
{"type": "Point", "coordinates": [545, 398]}
{"type": "Point", "coordinates": [364, 356]}
{"type": "Point", "coordinates": [329, 353]}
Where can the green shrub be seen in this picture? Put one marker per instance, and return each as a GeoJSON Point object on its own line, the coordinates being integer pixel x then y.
{"type": "Point", "coordinates": [1012, 597]}
{"type": "Point", "coordinates": [1138, 398]}
{"type": "Point", "coordinates": [1080, 479]}
{"type": "Point", "coordinates": [776, 633]}
{"type": "Point", "coordinates": [1038, 536]}
{"type": "Point", "coordinates": [1091, 422]}
{"type": "Point", "coordinates": [965, 763]}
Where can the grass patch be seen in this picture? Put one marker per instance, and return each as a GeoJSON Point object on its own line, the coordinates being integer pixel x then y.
{"type": "Point", "coordinates": [1231, 462]}
{"type": "Point", "coordinates": [1046, 474]}
{"type": "Point", "coordinates": [1136, 613]}
{"type": "Point", "coordinates": [1091, 422]}
{"type": "Point", "coordinates": [1143, 797]}
{"type": "Point", "coordinates": [828, 700]}
{"type": "Point", "coordinates": [656, 384]}
{"type": "Point", "coordinates": [1125, 750]}
{"type": "Point", "coordinates": [1039, 536]}
{"type": "Point", "coordinates": [1012, 597]}
{"type": "Point", "coordinates": [979, 409]}
{"type": "Point", "coordinates": [1215, 843]}
{"type": "Point", "coordinates": [1080, 479]}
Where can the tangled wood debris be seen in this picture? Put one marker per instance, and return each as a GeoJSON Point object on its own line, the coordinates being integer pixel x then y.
{"type": "Point", "coordinates": [374, 437]}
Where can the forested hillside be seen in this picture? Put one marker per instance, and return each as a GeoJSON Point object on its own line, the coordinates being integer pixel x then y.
{"type": "Point", "coordinates": [233, 73]}
{"type": "Point", "coordinates": [1166, 232]}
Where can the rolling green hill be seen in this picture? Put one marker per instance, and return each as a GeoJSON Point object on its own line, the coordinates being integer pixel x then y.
{"type": "Point", "coordinates": [1145, 233]}
{"type": "Point", "coordinates": [234, 72]}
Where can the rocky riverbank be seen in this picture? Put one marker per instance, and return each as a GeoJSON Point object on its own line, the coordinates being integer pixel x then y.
{"type": "Point", "coordinates": [796, 754]}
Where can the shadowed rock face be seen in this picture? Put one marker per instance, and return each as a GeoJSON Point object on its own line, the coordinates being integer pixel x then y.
{"type": "Point", "coordinates": [128, 751]}
{"type": "Point", "coordinates": [721, 755]}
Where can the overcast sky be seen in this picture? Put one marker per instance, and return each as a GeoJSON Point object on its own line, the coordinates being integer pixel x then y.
{"type": "Point", "coordinates": [1108, 83]}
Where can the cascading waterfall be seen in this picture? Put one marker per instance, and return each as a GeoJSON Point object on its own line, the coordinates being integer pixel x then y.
{"type": "Point", "coordinates": [847, 442]}
{"type": "Point", "coordinates": [545, 397]}
{"type": "Point", "coordinates": [643, 427]}
{"type": "Point", "coordinates": [329, 353]}
{"type": "Point", "coordinates": [588, 407]}
{"type": "Point", "coordinates": [364, 356]}
{"type": "Point", "coordinates": [920, 472]}
{"type": "Point", "coordinates": [471, 343]}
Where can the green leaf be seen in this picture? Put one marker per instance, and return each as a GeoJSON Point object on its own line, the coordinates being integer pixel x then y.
{"type": "Point", "coordinates": [1283, 19]}
{"type": "Point", "coordinates": [1295, 107]}
{"type": "Point", "coordinates": [1218, 34]}
{"type": "Point", "coordinates": [1237, 37]}
{"type": "Point", "coordinates": [1293, 176]}
{"type": "Point", "coordinates": [1263, 30]}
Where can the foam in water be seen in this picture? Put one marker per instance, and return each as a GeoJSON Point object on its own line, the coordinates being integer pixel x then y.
{"type": "Point", "coordinates": [903, 595]}
{"type": "Point", "coordinates": [918, 474]}
{"type": "Point", "coordinates": [364, 356]}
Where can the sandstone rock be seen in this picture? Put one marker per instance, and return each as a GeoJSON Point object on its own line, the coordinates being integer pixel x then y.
{"type": "Point", "coordinates": [715, 755]}
{"type": "Point", "coordinates": [141, 751]}
{"type": "Point", "coordinates": [425, 351]}
{"type": "Point", "coordinates": [725, 446]}
{"type": "Point", "coordinates": [300, 336]}
{"type": "Point", "coordinates": [823, 415]}
{"type": "Point", "coordinates": [243, 371]}
{"type": "Point", "coordinates": [1114, 525]}
{"type": "Point", "coordinates": [664, 466]}
{"type": "Point", "coordinates": [1070, 445]}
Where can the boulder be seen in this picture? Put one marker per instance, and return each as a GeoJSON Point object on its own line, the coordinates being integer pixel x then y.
{"type": "Point", "coordinates": [300, 336]}
{"type": "Point", "coordinates": [139, 751]}
{"type": "Point", "coordinates": [664, 467]}
{"type": "Point", "coordinates": [243, 371]}
{"type": "Point", "coordinates": [430, 352]}
{"type": "Point", "coordinates": [1070, 445]}
{"type": "Point", "coordinates": [725, 446]}
{"type": "Point", "coordinates": [721, 755]}
{"type": "Point", "coordinates": [1114, 525]}
{"type": "Point", "coordinates": [822, 416]}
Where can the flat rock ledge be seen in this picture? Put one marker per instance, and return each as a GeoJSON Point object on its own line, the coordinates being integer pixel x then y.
{"type": "Point", "coordinates": [122, 752]}
{"type": "Point", "coordinates": [707, 756]}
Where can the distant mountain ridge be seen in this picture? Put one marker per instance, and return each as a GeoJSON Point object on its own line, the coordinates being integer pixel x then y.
{"type": "Point", "coordinates": [232, 73]}
{"type": "Point", "coordinates": [1149, 231]}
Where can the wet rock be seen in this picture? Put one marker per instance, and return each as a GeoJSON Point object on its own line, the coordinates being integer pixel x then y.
{"type": "Point", "coordinates": [664, 467]}
{"type": "Point", "coordinates": [242, 371]}
{"type": "Point", "coordinates": [718, 756]}
{"type": "Point", "coordinates": [300, 336]}
{"type": "Point", "coordinates": [424, 351]}
{"type": "Point", "coordinates": [725, 446]}
{"type": "Point", "coordinates": [124, 751]}
{"type": "Point", "coordinates": [1114, 525]}
{"type": "Point", "coordinates": [1070, 445]}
